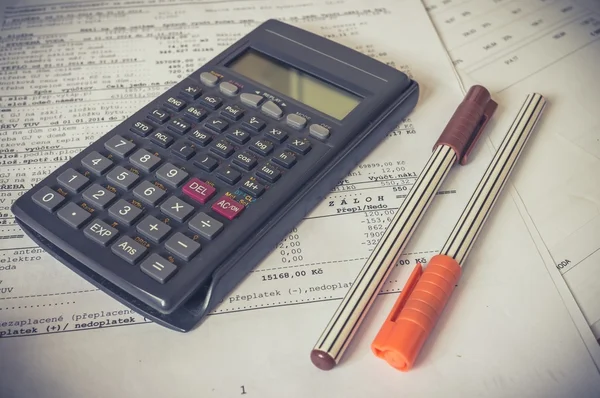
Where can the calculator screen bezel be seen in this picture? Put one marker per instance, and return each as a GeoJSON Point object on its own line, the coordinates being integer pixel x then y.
{"type": "Point", "coordinates": [375, 83]}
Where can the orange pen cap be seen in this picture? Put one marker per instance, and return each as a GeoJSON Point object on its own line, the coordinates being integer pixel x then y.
{"type": "Point", "coordinates": [416, 312]}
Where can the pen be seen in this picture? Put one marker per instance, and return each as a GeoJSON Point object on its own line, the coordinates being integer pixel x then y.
{"type": "Point", "coordinates": [453, 146]}
{"type": "Point", "coordinates": [426, 293]}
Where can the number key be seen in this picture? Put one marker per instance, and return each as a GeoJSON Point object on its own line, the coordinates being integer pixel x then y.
{"type": "Point", "coordinates": [96, 163]}
{"type": "Point", "coordinates": [72, 180]}
{"type": "Point", "coordinates": [149, 193]}
{"type": "Point", "coordinates": [48, 198]}
{"type": "Point", "coordinates": [144, 160]}
{"type": "Point", "coordinates": [122, 178]}
{"type": "Point", "coordinates": [119, 146]}
{"type": "Point", "coordinates": [171, 175]}
{"type": "Point", "coordinates": [124, 212]}
{"type": "Point", "coordinates": [98, 196]}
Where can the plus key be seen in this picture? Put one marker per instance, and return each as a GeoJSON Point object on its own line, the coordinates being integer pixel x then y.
{"type": "Point", "coordinates": [227, 207]}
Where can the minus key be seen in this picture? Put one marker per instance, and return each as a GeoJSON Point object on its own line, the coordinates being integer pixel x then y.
{"type": "Point", "coordinates": [182, 246]}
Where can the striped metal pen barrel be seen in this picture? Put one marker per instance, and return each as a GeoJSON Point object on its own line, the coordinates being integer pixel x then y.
{"type": "Point", "coordinates": [453, 146]}
{"type": "Point", "coordinates": [419, 306]}
{"type": "Point", "coordinates": [346, 320]}
{"type": "Point", "coordinates": [466, 230]}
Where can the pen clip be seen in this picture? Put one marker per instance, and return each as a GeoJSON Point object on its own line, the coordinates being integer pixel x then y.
{"type": "Point", "coordinates": [488, 111]}
{"type": "Point", "coordinates": [468, 122]}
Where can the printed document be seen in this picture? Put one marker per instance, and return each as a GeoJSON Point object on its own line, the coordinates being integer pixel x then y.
{"type": "Point", "coordinates": [552, 47]}
{"type": "Point", "coordinates": [72, 70]}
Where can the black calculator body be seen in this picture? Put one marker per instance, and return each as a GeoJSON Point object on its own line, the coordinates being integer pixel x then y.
{"type": "Point", "coordinates": [172, 208]}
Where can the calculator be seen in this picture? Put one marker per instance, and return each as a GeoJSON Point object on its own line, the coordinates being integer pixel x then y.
{"type": "Point", "coordinates": [171, 209]}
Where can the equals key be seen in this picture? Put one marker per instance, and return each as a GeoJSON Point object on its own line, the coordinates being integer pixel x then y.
{"type": "Point", "coordinates": [182, 246]}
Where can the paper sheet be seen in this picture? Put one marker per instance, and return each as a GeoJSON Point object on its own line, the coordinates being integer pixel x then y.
{"type": "Point", "coordinates": [72, 71]}
{"type": "Point", "coordinates": [552, 47]}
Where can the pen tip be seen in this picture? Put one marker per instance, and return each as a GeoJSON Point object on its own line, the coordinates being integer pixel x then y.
{"type": "Point", "coordinates": [322, 360]}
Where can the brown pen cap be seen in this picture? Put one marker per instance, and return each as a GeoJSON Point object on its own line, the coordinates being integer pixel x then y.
{"type": "Point", "coordinates": [467, 123]}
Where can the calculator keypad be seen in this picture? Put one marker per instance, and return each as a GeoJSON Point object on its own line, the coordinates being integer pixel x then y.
{"type": "Point", "coordinates": [169, 183]}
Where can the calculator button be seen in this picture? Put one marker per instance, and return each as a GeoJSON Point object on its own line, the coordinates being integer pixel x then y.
{"type": "Point", "coordinates": [195, 113]}
{"type": "Point", "coordinates": [192, 91]}
{"type": "Point", "coordinates": [100, 232]}
{"type": "Point", "coordinates": [261, 146]}
{"type": "Point", "coordinates": [171, 175]}
{"type": "Point", "coordinates": [72, 180]}
{"type": "Point", "coordinates": [176, 208]}
{"type": "Point", "coordinates": [179, 126]}
{"type": "Point", "coordinates": [228, 88]}
{"type": "Point", "coordinates": [175, 103]}
{"type": "Point", "coordinates": [144, 160]}
{"type": "Point", "coordinates": [211, 101]}
{"type": "Point", "coordinates": [251, 100]}
{"type": "Point", "coordinates": [141, 128]}
{"type": "Point", "coordinates": [162, 139]}
{"type": "Point", "coordinates": [122, 178]}
{"type": "Point", "coordinates": [183, 149]}
{"type": "Point", "coordinates": [227, 207]}
{"type": "Point", "coordinates": [254, 123]}
{"type": "Point", "coordinates": [205, 226]}
{"type": "Point", "coordinates": [48, 198]}
{"type": "Point", "coordinates": [269, 173]}
{"type": "Point", "coordinates": [209, 79]}
{"type": "Point", "coordinates": [206, 163]}
{"type": "Point", "coordinates": [73, 215]}
{"type": "Point", "coordinates": [319, 131]}
{"type": "Point", "coordinates": [300, 145]}
{"type": "Point", "coordinates": [159, 116]}
{"type": "Point", "coordinates": [153, 229]}
{"type": "Point", "coordinates": [96, 163]}
{"type": "Point", "coordinates": [284, 158]}
{"type": "Point", "coordinates": [223, 148]}
{"type": "Point", "coordinates": [277, 135]}
{"type": "Point", "coordinates": [98, 196]}
{"type": "Point", "coordinates": [271, 109]}
{"type": "Point", "coordinates": [229, 175]}
{"type": "Point", "coordinates": [149, 193]}
{"type": "Point", "coordinates": [198, 190]}
{"type": "Point", "coordinates": [239, 136]}
{"type": "Point", "coordinates": [158, 268]}
{"type": "Point", "coordinates": [182, 246]}
{"type": "Point", "coordinates": [119, 146]}
{"type": "Point", "coordinates": [295, 121]}
{"type": "Point", "coordinates": [245, 160]}
{"type": "Point", "coordinates": [128, 249]}
{"type": "Point", "coordinates": [253, 188]}
{"type": "Point", "coordinates": [216, 124]}
{"type": "Point", "coordinates": [233, 112]}
{"type": "Point", "coordinates": [124, 212]}
{"type": "Point", "coordinates": [200, 137]}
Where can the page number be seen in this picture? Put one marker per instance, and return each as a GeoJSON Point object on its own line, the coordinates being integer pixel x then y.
{"type": "Point", "coordinates": [243, 390]}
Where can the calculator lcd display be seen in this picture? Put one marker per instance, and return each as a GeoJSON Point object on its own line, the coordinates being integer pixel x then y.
{"type": "Point", "coordinates": [296, 84]}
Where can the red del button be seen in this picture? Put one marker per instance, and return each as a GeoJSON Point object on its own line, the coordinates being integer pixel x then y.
{"type": "Point", "coordinates": [198, 190]}
{"type": "Point", "coordinates": [227, 207]}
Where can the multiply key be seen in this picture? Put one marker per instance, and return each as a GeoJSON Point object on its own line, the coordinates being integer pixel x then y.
{"type": "Point", "coordinates": [227, 207]}
{"type": "Point", "coordinates": [198, 190]}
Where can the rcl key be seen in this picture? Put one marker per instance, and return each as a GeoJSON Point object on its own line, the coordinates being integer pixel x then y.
{"type": "Point", "coordinates": [228, 207]}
